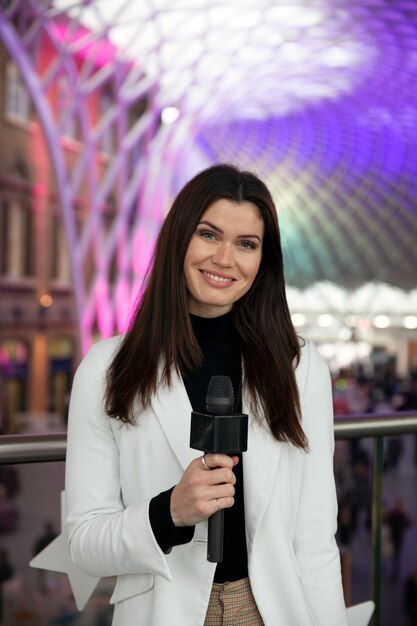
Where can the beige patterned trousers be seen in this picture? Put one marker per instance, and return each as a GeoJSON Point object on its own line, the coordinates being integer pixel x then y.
{"type": "Point", "coordinates": [232, 604]}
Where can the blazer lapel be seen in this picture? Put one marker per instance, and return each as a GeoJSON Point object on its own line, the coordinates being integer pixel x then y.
{"type": "Point", "coordinates": [260, 465]}
{"type": "Point", "coordinates": [261, 462]}
{"type": "Point", "coordinates": [172, 409]}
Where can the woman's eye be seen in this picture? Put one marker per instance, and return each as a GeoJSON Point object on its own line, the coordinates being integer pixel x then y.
{"type": "Point", "coordinates": [248, 245]}
{"type": "Point", "coordinates": [207, 234]}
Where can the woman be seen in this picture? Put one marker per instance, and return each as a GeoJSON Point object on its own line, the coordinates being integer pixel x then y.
{"type": "Point", "coordinates": [139, 497]}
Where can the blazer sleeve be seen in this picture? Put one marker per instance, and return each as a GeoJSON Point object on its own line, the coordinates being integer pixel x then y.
{"type": "Point", "coordinates": [105, 538]}
{"type": "Point", "coordinates": [315, 545]}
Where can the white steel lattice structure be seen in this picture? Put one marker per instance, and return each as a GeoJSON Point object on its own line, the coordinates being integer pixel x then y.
{"type": "Point", "coordinates": [51, 48]}
{"type": "Point", "coordinates": [316, 96]}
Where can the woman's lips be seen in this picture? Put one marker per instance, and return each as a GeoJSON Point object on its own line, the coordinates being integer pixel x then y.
{"type": "Point", "coordinates": [216, 279]}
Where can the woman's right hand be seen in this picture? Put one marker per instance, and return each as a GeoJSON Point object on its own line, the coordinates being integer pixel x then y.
{"type": "Point", "coordinates": [201, 492]}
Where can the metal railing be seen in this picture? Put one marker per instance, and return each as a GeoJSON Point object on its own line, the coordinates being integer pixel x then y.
{"type": "Point", "coordinates": [377, 427]}
{"type": "Point", "coordinates": [33, 448]}
{"type": "Point", "coordinates": [52, 447]}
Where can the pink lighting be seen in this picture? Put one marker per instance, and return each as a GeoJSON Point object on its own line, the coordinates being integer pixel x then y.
{"type": "Point", "coordinates": [297, 93]}
{"type": "Point", "coordinates": [104, 311]}
{"type": "Point", "coordinates": [122, 301]}
{"type": "Point", "coordinates": [86, 47]}
{"type": "Point", "coordinates": [142, 253]}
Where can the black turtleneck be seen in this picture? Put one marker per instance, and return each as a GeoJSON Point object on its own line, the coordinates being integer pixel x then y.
{"type": "Point", "coordinates": [219, 344]}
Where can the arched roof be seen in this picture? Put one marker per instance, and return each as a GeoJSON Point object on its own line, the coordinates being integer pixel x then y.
{"type": "Point", "coordinates": [317, 96]}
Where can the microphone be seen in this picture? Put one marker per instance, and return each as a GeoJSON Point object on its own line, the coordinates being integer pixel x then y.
{"type": "Point", "coordinates": [218, 430]}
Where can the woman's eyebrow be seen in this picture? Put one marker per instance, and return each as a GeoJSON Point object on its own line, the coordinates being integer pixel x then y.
{"type": "Point", "coordinates": [219, 230]}
{"type": "Point", "coordinates": [213, 226]}
{"type": "Point", "coordinates": [249, 237]}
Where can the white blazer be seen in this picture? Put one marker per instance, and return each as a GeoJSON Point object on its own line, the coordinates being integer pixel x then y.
{"type": "Point", "coordinates": [113, 471]}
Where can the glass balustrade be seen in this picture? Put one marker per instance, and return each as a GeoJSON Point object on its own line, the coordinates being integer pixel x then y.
{"type": "Point", "coordinates": [375, 476]}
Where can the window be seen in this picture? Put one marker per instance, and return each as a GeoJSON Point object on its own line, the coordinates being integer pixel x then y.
{"type": "Point", "coordinates": [16, 220]}
{"type": "Point", "coordinates": [17, 104]}
{"type": "Point", "coordinates": [14, 362]}
{"type": "Point", "coordinates": [4, 229]}
{"type": "Point", "coordinates": [60, 357]}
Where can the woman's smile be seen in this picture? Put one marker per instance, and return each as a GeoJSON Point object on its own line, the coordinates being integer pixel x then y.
{"type": "Point", "coordinates": [219, 280]}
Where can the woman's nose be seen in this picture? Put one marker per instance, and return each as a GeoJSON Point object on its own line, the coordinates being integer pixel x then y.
{"type": "Point", "coordinates": [224, 255]}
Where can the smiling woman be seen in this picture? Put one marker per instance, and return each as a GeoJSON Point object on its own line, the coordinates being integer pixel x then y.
{"type": "Point", "coordinates": [223, 257]}
{"type": "Point", "coordinates": [139, 496]}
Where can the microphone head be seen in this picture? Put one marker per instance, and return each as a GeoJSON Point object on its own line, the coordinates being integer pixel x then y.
{"type": "Point", "coordinates": [220, 397]}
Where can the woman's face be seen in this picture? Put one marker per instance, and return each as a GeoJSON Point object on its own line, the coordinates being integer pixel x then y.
{"type": "Point", "coordinates": [223, 257]}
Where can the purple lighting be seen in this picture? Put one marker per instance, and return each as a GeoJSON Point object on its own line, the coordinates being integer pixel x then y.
{"type": "Point", "coordinates": [318, 98]}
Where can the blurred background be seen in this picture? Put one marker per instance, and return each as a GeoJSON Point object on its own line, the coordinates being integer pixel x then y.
{"type": "Point", "coordinates": [106, 110]}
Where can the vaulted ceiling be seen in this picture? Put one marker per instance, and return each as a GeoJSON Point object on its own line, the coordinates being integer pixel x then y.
{"type": "Point", "coordinates": [317, 96]}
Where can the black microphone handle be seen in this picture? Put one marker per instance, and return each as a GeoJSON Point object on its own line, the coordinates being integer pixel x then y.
{"type": "Point", "coordinates": [215, 537]}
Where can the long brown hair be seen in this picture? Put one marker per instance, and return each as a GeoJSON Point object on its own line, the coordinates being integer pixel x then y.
{"type": "Point", "coordinates": [160, 333]}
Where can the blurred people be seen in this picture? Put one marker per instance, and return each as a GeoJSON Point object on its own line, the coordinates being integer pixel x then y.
{"type": "Point", "coordinates": [6, 569]}
{"type": "Point", "coordinates": [344, 538]}
{"type": "Point", "coordinates": [345, 520]}
{"type": "Point", "coordinates": [398, 520]}
{"type": "Point", "coordinates": [48, 535]}
{"type": "Point", "coordinates": [409, 402]}
{"type": "Point", "coordinates": [410, 598]}
{"type": "Point", "coordinates": [362, 493]}
{"type": "Point", "coordinates": [6, 572]}
{"type": "Point", "coordinates": [8, 512]}
{"type": "Point", "coordinates": [10, 479]}
{"type": "Point", "coordinates": [393, 452]}
{"type": "Point", "coordinates": [387, 547]}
